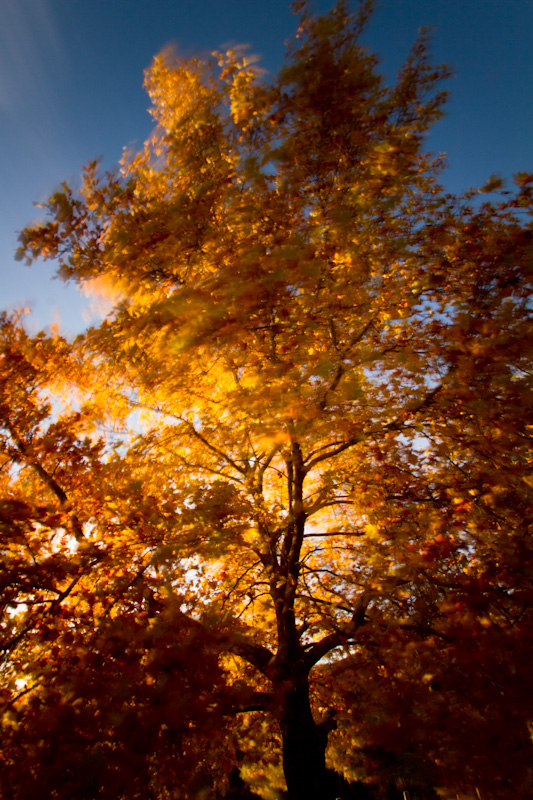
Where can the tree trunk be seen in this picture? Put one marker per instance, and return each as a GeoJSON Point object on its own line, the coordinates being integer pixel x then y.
{"type": "Point", "coordinates": [304, 748]}
{"type": "Point", "coordinates": [304, 752]}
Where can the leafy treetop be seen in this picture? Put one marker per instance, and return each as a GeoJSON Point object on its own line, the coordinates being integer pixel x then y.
{"type": "Point", "coordinates": [318, 374]}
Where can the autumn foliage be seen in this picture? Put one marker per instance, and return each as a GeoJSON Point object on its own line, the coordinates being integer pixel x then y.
{"type": "Point", "coordinates": [268, 527]}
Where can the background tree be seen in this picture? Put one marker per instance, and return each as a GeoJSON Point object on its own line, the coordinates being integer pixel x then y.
{"type": "Point", "coordinates": [317, 373]}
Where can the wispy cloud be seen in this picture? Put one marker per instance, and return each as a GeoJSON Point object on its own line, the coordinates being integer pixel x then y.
{"type": "Point", "coordinates": [33, 139]}
{"type": "Point", "coordinates": [30, 52]}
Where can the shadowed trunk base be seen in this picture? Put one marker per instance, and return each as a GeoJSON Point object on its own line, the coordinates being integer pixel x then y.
{"type": "Point", "coordinates": [304, 755]}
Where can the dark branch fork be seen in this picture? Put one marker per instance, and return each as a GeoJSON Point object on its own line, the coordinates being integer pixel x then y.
{"type": "Point", "coordinates": [25, 450]}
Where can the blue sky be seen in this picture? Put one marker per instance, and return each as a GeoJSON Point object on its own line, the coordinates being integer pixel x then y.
{"type": "Point", "coordinates": [71, 74]}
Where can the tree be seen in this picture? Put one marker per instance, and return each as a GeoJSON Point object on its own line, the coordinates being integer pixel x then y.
{"type": "Point", "coordinates": [296, 477]}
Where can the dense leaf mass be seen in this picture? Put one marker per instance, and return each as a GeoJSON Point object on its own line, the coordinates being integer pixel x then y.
{"type": "Point", "coordinates": [267, 528]}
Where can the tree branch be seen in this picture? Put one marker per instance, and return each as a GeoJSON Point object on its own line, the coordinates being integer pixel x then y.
{"type": "Point", "coordinates": [395, 425]}
{"type": "Point", "coordinates": [220, 453]}
{"type": "Point", "coordinates": [339, 637]}
{"type": "Point", "coordinates": [25, 450]}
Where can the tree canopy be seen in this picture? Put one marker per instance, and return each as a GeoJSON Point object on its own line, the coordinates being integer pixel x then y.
{"type": "Point", "coordinates": [267, 527]}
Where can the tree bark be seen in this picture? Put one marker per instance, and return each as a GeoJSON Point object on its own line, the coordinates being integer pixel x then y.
{"type": "Point", "coordinates": [304, 747]}
{"type": "Point", "coordinates": [304, 741]}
